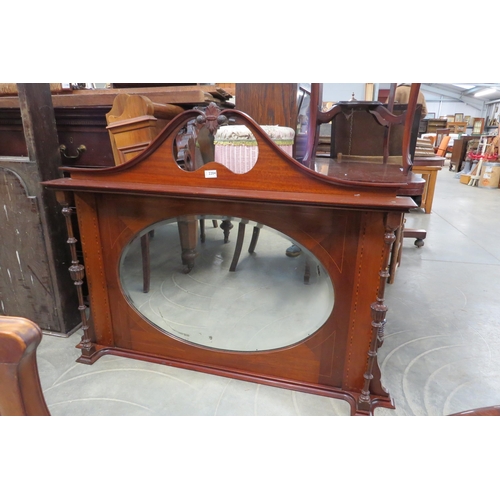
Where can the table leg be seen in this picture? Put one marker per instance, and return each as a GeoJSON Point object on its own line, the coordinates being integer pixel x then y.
{"type": "Point", "coordinates": [430, 191]}
{"type": "Point", "coordinates": [188, 234]}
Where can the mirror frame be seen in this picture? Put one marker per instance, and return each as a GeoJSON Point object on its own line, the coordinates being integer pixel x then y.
{"type": "Point", "coordinates": [349, 227]}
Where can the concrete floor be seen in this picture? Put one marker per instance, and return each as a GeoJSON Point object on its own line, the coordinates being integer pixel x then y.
{"type": "Point", "coordinates": [440, 353]}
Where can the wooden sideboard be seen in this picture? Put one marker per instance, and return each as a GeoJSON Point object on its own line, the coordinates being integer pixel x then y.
{"type": "Point", "coordinates": [346, 226]}
{"type": "Point", "coordinates": [81, 119]}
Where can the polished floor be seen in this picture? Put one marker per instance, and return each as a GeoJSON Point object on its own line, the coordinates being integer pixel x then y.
{"type": "Point", "coordinates": [440, 353]}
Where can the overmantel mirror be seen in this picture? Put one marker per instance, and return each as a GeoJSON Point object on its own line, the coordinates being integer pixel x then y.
{"type": "Point", "coordinates": [185, 251]}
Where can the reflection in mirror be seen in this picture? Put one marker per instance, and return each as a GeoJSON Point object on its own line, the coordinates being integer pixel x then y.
{"type": "Point", "coordinates": [193, 146]}
{"type": "Point", "coordinates": [269, 301]}
{"type": "Point", "coordinates": [303, 104]}
{"type": "Point", "coordinates": [357, 140]}
{"type": "Point", "coordinates": [237, 148]}
{"type": "Point", "coordinates": [232, 145]}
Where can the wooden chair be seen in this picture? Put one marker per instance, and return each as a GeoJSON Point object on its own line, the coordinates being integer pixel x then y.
{"type": "Point", "coordinates": [134, 121]}
{"type": "Point", "coordinates": [371, 142]}
{"type": "Point", "coordinates": [374, 141]}
{"type": "Point", "coordinates": [229, 142]}
{"type": "Point", "coordinates": [20, 390]}
{"type": "Point", "coordinates": [441, 142]}
{"type": "Point", "coordinates": [442, 149]}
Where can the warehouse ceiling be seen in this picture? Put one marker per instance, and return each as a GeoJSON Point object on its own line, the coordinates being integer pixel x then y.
{"type": "Point", "coordinates": [471, 93]}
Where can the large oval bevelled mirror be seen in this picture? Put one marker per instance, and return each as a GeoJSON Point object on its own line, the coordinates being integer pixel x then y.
{"type": "Point", "coordinates": [185, 276]}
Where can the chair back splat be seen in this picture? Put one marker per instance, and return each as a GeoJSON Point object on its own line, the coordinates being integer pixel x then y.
{"type": "Point", "coordinates": [370, 141]}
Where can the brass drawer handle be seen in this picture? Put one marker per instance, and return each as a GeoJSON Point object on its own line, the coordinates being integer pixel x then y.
{"type": "Point", "coordinates": [79, 150]}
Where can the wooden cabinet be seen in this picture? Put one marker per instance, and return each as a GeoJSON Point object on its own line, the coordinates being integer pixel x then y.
{"type": "Point", "coordinates": [81, 119]}
{"type": "Point", "coordinates": [457, 127]}
{"type": "Point", "coordinates": [254, 99]}
{"type": "Point", "coordinates": [430, 125]}
{"type": "Point", "coordinates": [34, 278]}
{"type": "Point", "coordinates": [478, 126]}
{"type": "Point", "coordinates": [459, 151]}
{"type": "Point", "coordinates": [75, 127]}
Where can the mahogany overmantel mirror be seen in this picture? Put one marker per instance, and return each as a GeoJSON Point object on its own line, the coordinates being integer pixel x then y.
{"type": "Point", "coordinates": [162, 238]}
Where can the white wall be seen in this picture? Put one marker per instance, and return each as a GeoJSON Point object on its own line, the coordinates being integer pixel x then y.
{"type": "Point", "coordinates": [343, 91]}
{"type": "Point", "coordinates": [443, 106]}
{"type": "Point", "coordinates": [440, 105]}
{"type": "Point", "coordinates": [334, 92]}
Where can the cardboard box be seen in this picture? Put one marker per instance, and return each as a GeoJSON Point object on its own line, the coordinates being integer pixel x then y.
{"type": "Point", "coordinates": [464, 179]}
{"type": "Point", "coordinates": [490, 175]}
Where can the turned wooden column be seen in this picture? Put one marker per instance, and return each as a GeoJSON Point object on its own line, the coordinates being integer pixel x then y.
{"type": "Point", "coordinates": [378, 314]}
{"type": "Point", "coordinates": [76, 271]}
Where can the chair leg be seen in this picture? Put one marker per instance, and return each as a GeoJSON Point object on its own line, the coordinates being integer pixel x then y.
{"type": "Point", "coordinates": [188, 235]}
{"type": "Point", "coordinates": [202, 230]}
{"type": "Point", "coordinates": [146, 263]}
{"type": "Point", "coordinates": [307, 272]}
{"type": "Point", "coordinates": [396, 251]}
{"type": "Point", "coordinates": [255, 238]}
{"type": "Point", "coordinates": [239, 246]}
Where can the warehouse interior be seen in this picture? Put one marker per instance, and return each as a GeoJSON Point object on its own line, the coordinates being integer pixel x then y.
{"type": "Point", "coordinates": [439, 354]}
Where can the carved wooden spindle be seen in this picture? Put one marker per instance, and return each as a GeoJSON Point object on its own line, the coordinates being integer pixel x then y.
{"type": "Point", "coordinates": [77, 273]}
{"type": "Point", "coordinates": [378, 313]}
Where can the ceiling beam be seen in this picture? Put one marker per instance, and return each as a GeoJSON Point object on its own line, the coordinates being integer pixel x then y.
{"type": "Point", "coordinates": [478, 88]}
{"type": "Point", "coordinates": [458, 95]}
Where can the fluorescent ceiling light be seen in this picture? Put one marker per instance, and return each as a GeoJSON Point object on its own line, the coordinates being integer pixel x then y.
{"type": "Point", "coordinates": [485, 92]}
{"type": "Point", "coordinates": [466, 86]}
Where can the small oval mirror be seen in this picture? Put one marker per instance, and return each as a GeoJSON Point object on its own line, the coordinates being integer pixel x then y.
{"type": "Point", "coordinates": [233, 146]}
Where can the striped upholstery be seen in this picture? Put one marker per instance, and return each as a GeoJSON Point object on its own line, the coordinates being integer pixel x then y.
{"type": "Point", "coordinates": [236, 147]}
